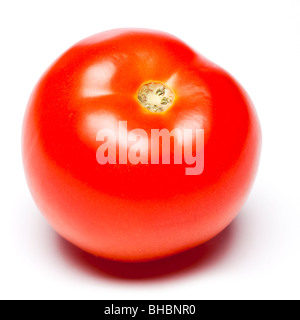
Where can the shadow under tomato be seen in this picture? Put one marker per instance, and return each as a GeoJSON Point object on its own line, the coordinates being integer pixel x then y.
{"type": "Point", "coordinates": [195, 259]}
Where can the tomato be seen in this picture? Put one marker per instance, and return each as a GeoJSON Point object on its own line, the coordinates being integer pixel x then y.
{"type": "Point", "coordinates": [136, 147]}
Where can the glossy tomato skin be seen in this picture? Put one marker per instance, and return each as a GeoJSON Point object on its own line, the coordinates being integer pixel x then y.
{"type": "Point", "coordinates": [137, 212]}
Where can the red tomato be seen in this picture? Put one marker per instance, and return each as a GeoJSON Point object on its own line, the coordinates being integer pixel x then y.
{"type": "Point", "coordinates": [138, 207]}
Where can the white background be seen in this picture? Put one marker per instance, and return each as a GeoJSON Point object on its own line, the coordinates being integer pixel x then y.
{"type": "Point", "coordinates": [258, 256]}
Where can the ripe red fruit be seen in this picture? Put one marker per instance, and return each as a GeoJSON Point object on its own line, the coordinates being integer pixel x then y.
{"type": "Point", "coordinates": [132, 209]}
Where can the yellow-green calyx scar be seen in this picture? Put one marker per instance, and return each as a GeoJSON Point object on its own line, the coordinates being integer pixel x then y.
{"type": "Point", "coordinates": [156, 97]}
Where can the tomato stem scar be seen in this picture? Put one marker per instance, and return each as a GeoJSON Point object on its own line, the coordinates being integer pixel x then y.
{"type": "Point", "coordinates": [156, 97]}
